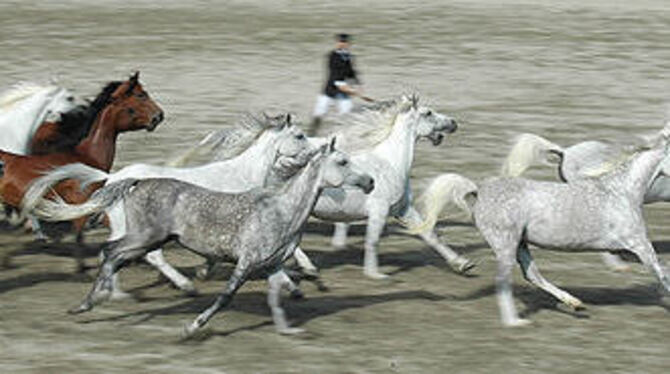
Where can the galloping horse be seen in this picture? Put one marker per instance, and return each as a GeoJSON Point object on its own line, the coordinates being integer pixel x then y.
{"type": "Point", "coordinates": [120, 107]}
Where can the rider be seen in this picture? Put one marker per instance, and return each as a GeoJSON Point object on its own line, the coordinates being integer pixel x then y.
{"type": "Point", "coordinates": [340, 73]}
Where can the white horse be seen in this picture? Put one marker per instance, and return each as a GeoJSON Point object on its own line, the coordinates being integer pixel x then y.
{"type": "Point", "coordinates": [24, 107]}
{"type": "Point", "coordinates": [257, 145]}
{"type": "Point", "coordinates": [601, 213]}
{"type": "Point", "coordinates": [579, 161]}
{"type": "Point", "coordinates": [394, 128]}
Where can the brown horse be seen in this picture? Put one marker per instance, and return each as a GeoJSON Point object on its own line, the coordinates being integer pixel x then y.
{"type": "Point", "coordinates": [120, 107]}
{"type": "Point", "coordinates": [66, 133]}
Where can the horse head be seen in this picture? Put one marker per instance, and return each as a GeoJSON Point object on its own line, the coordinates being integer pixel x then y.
{"type": "Point", "coordinates": [131, 107]}
{"type": "Point", "coordinates": [428, 122]}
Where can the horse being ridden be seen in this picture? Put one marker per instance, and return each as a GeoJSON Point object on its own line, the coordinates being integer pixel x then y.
{"type": "Point", "coordinates": [120, 107]}
{"type": "Point", "coordinates": [256, 230]}
{"type": "Point", "coordinates": [601, 213]}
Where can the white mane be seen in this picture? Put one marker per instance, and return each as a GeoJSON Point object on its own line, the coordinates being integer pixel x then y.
{"type": "Point", "coordinates": [231, 142]}
{"type": "Point", "coordinates": [370, 125]}
{"type": "Point", "coordinates": [19, 92]}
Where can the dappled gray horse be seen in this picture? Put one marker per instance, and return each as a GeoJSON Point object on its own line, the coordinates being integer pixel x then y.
{"type": "Point", "coordinates": [258, 151]}
{"type": "Point", "coordinates": [581, 160]}
{"type": "Point", "coordinates": [257, 230]}
{"type": "Point", "coordinates": [598, 214]}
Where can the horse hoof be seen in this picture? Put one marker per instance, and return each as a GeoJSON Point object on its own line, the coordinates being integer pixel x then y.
{"type": "Point", "coordinates": [297, 295]}
{"type": "Point", "coordinates": [376, 275]}
{"type": "Point", "coordinates": [191, 331]}
{"type": "Point", "coordinates": [518, 322]}
{"type": "Point", "coordinates": [463, 265]}
{"type": "Point", "coordinates": [202, 273]}
{"type": "Point", "coordinates": [190, 290]}
{"type": "Point", "coordinates": [80, 309]}
{"type": "Point", "coordinates": [118, 295]}
{"type": "Point", "coordinates": [290, 331]}
{"type": "Point", "coordinates": [576, 305]}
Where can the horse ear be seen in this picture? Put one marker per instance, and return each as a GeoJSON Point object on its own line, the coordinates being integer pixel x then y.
{"type": "Point", "coordinates": [331, 146]}
{"type": "Point", "coordinates": [132, 82]}
{"type": "Point", "coordinates": [288, 119]}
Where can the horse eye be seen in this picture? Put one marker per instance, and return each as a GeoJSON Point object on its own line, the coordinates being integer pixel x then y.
{"type": "Point", "coordinates": [131, 111]}
{"type": "Point", "coordinates": [429, 113]}
{"type": "Point", "coordinates": [70, 98]}
{"type": "Point", "coordinates": [343, 162]}
{"type": "Point", "coordinates": [300, 136]}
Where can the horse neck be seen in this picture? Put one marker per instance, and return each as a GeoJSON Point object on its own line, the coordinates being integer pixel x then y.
{"type": "Point", "coordinates": [298, 197]}
{"type": "Point", "coordinates": [99, 147]}
{"type": "Point", "coordinates": [637, 175]}
{"type": "Point", "coordinates": [256, 161]}
{"type": "Point", "coordinates": [398, 148]}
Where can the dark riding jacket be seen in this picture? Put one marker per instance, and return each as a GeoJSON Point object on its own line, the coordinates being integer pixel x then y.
{"type": "Point", "coordinates": [340, 70]}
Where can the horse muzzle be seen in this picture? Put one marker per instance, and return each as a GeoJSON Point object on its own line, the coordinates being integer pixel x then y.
{"type": "Point", "coordinates": [436, 138]}
{"type": "Point", "coordinates": [366, 183]}
{"type": "Point", "coordinates": [155, 120]}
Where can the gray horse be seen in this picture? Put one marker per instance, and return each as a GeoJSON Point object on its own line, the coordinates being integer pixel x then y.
{"type": "Point", "coordinates": [601, 213]}
{"type": "Point", "coordinates": [258, 230]}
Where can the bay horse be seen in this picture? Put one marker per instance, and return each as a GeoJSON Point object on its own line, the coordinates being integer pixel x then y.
{"type": "Point", "coordinates": [121, 106]}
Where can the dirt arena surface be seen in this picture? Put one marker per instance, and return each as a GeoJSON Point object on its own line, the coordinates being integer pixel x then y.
{"type": "Point", "coordinates": [424, 319]}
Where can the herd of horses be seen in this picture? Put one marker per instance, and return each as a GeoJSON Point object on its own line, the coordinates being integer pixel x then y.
{"type": "Point", "coordinates": [248, 206]}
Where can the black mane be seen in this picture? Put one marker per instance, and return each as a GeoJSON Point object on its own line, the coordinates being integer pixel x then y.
{"type": "Point", "coordinates": [75, 124]}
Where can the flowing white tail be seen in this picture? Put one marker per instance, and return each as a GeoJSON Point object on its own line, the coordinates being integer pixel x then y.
{"type": "Point", "coordinates": [84, 173]}
{"type": "Point", "coordinates": [445, 188]}
{"type": "Point", "coordinates": [59, 210]}
{"type": "Point", "coordinates": [527, 150]}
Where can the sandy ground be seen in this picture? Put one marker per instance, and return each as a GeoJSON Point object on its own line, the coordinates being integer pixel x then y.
{"type": "Point", "coordinates": [424, 319]}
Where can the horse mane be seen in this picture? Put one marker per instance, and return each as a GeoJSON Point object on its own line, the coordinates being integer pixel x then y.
{"type": "Point", "coordinates": [616, 160]}
{"type": "Point", "coordinates": [231, 142]}
{"type": "Point", "coordinates": [75, 124]}
{"type": "Point", "coordinates": [20, 91]}
{"type": "Point", "coordinates": [369, 125]}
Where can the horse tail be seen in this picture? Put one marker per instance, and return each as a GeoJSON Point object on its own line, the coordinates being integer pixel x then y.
{"type": "Point", "coordinates": [83, 173]}
{"type": "Point", "coordinates": [208, 141]}
{"type": "Point", "coordinates": [445, 188]}
{"type": "Point", "coordinates": [60, 210]}
{"type": "Point", "coordinates": [528, 149]}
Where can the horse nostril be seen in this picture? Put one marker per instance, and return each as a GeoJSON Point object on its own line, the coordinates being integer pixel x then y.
{"type": "Point", "coordinates": [454, 125]}
{"type": "Point", "coordinates": [158, 118]}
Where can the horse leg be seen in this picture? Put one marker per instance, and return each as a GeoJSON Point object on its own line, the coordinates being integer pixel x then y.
{"type": "Point", "coordinates": [458, 263]}
{"type": "Point", "coordinates": [614, 262]}
{"type": "Point", "coordinates": [236, 281]}
{"type": "Point", "coordinates": [532, 274]}
{"type": "Point", "coordinates": [80, 250]}
{"type": "Point", "coordinates": [647, 255]}
{"type": "Point", "coordinates": [504, 244]}
{"type": "Point", "coordinates": [305, 263]}
{"type": "Point", "coordinates": [37, 229]}
{"type": "Point", "coordinates": [339, 240]}
{"type": "Point", "coordinates": [275, 282]}
{"type": "Point", "coordinates": [119, 254]}
{"type": "Point", "coordinates": [376, 222]}
{"type": "Point", "coordinates": [157, 259]}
